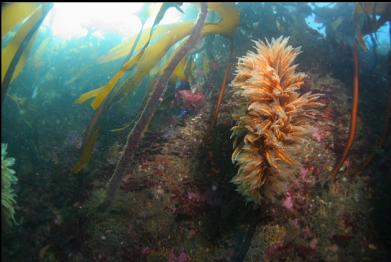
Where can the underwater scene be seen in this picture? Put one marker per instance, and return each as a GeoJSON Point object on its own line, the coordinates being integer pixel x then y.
{"type": "Point", "coordinates": [181, 132]}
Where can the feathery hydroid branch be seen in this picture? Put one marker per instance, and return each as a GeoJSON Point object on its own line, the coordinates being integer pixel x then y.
{"type": "Point", "coordinates": [275, 118]}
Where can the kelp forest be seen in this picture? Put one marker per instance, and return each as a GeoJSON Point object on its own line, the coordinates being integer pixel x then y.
{"type": "Point", "coordinates": [196, 131]}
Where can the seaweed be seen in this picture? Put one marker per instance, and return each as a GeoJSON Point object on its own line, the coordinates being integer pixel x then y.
{"type": "Point", "coordinates": [135, 43]}
{"type": "Point", "coordinates": [156, 51]}
{"type": "Point", "coordinates": [159, 16]}
{"type": "Point", "coordinates": [106, 95]}
{"type": "Point", "coordinates": [222, 89]}
{"type": "Point", "coordinates": [14, 55]}
{"type": "Point", "coordinates": [13, 14]}
{"type": "Point", "coordinates": [353, 122]}
{"type": "Point", "coordinates": [136, 134]}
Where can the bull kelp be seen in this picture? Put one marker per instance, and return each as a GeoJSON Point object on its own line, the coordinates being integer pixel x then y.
{"type": "Point", "coordinates": [254, 131]}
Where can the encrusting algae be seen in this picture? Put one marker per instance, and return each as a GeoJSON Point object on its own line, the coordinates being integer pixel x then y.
{"type": "Point", "coordinates": [276, 118]}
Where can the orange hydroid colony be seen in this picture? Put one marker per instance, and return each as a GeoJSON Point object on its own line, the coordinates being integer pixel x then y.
{"type": "Point", "coordinates": [274, 120]}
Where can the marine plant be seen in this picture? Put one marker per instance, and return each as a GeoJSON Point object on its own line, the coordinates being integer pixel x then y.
{"type": "Point", "coordinates": [274, 119]}
{"type": "Point", "coordinates": [16, 52]}
{"type": "Point", "coordinates": [353, 119]}
{"type": "Point", "coordinates": [8, 179]}
{"type": "Point", "coordinates": [368, 18]}
{"type": "Point", "coordinates": [221, 92]}
{"type": "Point", "coordinates": [146, 57]}
{"type": "Point", "coordinates": [158, 89]}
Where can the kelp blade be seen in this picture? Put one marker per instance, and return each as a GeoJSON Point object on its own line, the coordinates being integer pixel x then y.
{"type": "Point", "coordinates": [124, 47]}
{"type": "Point", "coordinates": [230, 19]}
{"type": "Point", "coordinates": [153, 54]}
{"type": "Point", "coordinates": [102, 92]}
{"type": "Point", "coordinates": [14, 13]}
{"type": "Point", "coordinates": [86, 152]}
{"type": "Point", "coordinates": [8, 53]}
{"type": "Point", "coordinates": [227, 26]}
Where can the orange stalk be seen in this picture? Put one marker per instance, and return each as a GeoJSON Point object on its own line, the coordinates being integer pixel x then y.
{"type": "Point", "coordinates": [222, 90]}
{"type": "Point", "coordinates": [222, 87]}
{"type": "Point", "coordinates": [353, 122]}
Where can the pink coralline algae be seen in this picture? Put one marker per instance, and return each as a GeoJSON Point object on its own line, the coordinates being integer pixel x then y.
{"type": "Point", "coordinates": [182, 257]}
{"type": "Point", "coordinates": [328, 112]}
{"type": "Point", "coordinates": [313, 243]}
{"type": "Point", "coordinates": [306, 176]}
{"type": "Point", "coordinates": [195, 196]}
{"type": "Point", "coordinates": [294, 198]}
{"type": "Point", "coordinates": [275, 250]}
{"type": "Point", "coordinates": [186, 203]}
{"type": "Point", "coordinates": [287, 202]}
{"type": "Point", "coordinates": [319, 134]}
{"type": "Point", "coordinates": [147, 251]}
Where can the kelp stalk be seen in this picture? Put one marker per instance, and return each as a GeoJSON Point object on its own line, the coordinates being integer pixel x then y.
{"type": "Point", "coordinates": [19, 52]}
{"type": "Point", "coordinates": [159, 16]}
{"type": "Point", "coordinates": [353, 122]}
{"type": "Point", "coordinates": [136, 134]}
{"type": "Point", "coordinates": [222, 88]}
{"type": "Point", "coordinates": [153, 54]}
{"type": "Point", "coordinates": [143, 16]}
{"type": "Point", "coordinates": [134, 45]}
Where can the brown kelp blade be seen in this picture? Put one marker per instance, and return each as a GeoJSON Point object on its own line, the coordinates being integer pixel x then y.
{"type": "Point", "coordinates": [92, 133]}
{"type": "Point", "coordinates": [101, 93]}
{"type": "Point", "coordinates": [162, 11]}
{"type": "Point", "coordinates": [14, 13]}
{"type": "Point", "coordinates": [11, 55]}
{"type": "Point", "coordinates": [143, 16]}
{"type": "Point", "coordinates": [88, 147]}
{"type": "Point", "coordinates": [153, 54]}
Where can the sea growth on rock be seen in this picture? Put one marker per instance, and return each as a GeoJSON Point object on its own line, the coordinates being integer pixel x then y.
{"type": "Point", "coordinates": [272, 120]}
{"type": "Point", "coordinates": [8, 178]}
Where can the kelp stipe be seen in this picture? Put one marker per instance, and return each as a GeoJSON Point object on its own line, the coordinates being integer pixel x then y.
{"type": "Point", "coordinates": [136, 134]}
